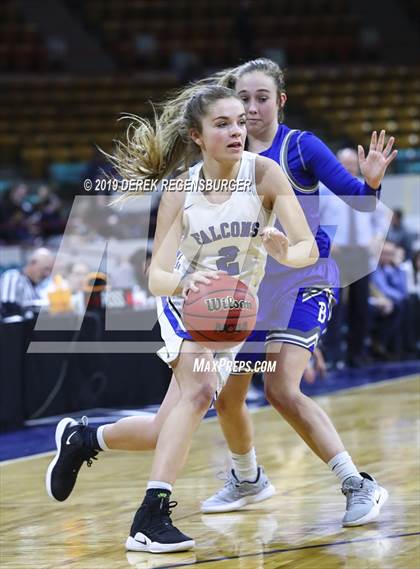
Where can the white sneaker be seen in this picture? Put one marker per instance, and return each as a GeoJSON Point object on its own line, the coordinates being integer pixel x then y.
{"type": "Point", "coordinates": [365, 499]}
{"type": "Point", "coordinates": [236, 495]}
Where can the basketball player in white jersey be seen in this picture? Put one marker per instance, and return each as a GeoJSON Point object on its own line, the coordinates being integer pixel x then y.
{"type": "Point", "coordinates": [213, 231]}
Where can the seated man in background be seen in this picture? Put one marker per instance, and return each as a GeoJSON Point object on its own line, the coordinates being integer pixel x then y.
{"type": "Point", "coordinates": [399, 234]}
{"type": "Point", "coordinates": [19, 289]}
{"type": "Point", "coordinates": [388, 298]}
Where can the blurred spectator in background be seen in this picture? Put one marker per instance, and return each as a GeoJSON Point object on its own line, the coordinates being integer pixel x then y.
{"type": "Point", "coordinates": [78, 223]}
{"type": "Point", "coordinates": [76, 275]}
{"type": "Point", "coordinates": [389, 302]}
{"type": "Point", "coordinates": [50, 212]}
{"type": "Point", "coordinates": [19, 289]}
{"type": "Point", "coordinates": [413, 285]}
{"type": "Point", "coordinates": [102, 219]}
{"type": "Point", "coordinates": [141, 263]}
{"type": "Point", "coordinates": [399, 234]}
{"type": "Point", "coordinates": [411, 318]}
{"type": "Point", "coordinates": [17, 219]}
{"type": "Point", "coordinates": [30, 218]}
{"type": "Point", "coordinates": [123, 275]}
{"type": "Point", "coordinates": [130, 275]}
{"type": "Point", "coordinates": [356, 236]}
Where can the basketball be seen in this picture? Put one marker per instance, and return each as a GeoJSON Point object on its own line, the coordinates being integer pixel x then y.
{"type": "Point", "coordinates": [221, 314]}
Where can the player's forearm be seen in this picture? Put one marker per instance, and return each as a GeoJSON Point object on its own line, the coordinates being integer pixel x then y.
{"type": "Point", "coordinates": [302, 254]}
{"type": "Point", "coordinates": [164, 283]}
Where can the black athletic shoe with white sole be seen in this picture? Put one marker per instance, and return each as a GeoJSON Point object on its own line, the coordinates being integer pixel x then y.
{"type": "Point", "coordinates": [72, 451]}
{"type": "Point", "coordinates": [152, 529]}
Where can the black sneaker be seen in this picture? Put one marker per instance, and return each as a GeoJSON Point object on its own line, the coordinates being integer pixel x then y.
{"type": "Point", "coordinates": [152, 528]}
{"type": "Point", "coordinates": [72, 452]}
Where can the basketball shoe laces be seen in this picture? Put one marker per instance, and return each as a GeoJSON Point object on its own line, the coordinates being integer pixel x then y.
{"type": "Point", "coordinates": [230, 481]}
{"type": "Point", "coordinates": [162, 522]}
{"type": "Point", "coordinates": [165, 510]}
{"type": "Point", "coordinates": [361, 495]}
{"type": "Point", "coordinates": [81, 452]}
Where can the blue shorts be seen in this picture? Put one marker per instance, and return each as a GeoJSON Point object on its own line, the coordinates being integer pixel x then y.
{"type": "Point", "coordinates": [301, 324]}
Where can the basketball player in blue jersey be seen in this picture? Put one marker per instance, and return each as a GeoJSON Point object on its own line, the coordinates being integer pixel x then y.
{"type": "Point", "coordinates": [294, 307]}
{"type": "Point", "coordinates": [211, 125]}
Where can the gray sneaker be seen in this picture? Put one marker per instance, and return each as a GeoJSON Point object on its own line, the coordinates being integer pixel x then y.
{"type": "Point", "coordinates": [236, 495]}
{"type": "Point", "coordinates": [365, 499]}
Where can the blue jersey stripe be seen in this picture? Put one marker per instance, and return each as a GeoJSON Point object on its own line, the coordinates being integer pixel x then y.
{"type": "Point", "coordinates": [174, 321]}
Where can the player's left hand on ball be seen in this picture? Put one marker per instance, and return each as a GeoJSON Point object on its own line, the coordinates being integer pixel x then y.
{"type": "Point", "coordinates": [275, 242]}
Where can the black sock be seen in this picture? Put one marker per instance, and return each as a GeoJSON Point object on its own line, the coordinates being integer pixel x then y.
{"type": "Point", "coordinates": [157, 494]}
{"type": "Point", "coordinates": [90, 439]}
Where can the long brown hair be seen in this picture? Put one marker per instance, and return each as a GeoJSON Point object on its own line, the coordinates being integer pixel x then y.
{"type": "Point", "coordinates": [154, 149]}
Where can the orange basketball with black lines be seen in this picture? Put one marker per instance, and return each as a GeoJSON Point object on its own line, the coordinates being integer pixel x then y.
{"type": "Point", "coordinates": [221, 314]}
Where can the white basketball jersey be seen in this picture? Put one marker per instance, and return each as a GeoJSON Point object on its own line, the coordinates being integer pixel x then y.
{"type": "Point", "coordinates": [225, 236]}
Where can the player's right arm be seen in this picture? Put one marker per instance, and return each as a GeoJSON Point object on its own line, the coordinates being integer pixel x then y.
{"type": "Point", "coordinates": [163, 279]}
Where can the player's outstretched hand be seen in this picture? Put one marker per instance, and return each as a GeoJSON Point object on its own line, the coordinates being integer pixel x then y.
{"type": "Point", "coordinates": [275, 242]}
{"type": "Point", "coordinates": [192, 281]}
{"type": "Point", "coordinates": [374, 165]}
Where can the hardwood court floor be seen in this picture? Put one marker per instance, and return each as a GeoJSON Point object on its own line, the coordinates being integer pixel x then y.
{"type": "Point", "coordinates": [298, 528]}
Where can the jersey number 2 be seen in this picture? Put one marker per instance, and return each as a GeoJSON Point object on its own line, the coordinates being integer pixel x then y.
{"type": "Point", "coordinates": [226, 261]}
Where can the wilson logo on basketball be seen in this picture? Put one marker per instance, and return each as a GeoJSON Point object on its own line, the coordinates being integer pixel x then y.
{"type": "Point", "coordinates": [227, 303]}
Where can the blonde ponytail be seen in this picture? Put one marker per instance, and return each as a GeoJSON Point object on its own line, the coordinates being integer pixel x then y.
{"type": "Point", "coordinates": [155, 149]}
{"type": "Point", "coordinates": [151, 149]}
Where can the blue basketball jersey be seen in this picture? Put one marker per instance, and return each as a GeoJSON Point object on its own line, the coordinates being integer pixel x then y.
{"type": "Point", "coordinates": [306, 161]}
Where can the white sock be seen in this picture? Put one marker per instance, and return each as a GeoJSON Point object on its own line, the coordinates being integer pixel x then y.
{"type": "Point", "coordinates": [245, 465]}
{"type": "Point", "coordinates": [342, 466]}
{"type": "Point", "coordinates": [159, 485]}
{"type": "Point", "coordinates": [100, 437]}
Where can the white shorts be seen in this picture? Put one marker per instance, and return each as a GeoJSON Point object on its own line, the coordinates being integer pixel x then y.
{"type": "Point", "coordinates": [173, 332]}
